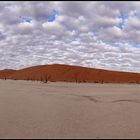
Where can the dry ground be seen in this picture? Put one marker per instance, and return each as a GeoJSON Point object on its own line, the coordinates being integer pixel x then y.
{"type": "Point", "coordinates": [69, 110]}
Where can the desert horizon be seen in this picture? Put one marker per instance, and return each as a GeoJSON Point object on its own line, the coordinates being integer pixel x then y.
{"type": "Point", "coordinates": [70, 69]}
{"type": "Point", "coordinates": [70, 73]}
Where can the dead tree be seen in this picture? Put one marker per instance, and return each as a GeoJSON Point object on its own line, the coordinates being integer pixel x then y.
{"type": "Point", "coordinates": [102, 81]}
{"type": "Point", "coordinates": [47, 77]}
{"type": "Point", "coordinates": [76, 77]}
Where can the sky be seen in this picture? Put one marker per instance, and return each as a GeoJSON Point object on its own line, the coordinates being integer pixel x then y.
{"type": "Point", "coordinates": [96, 34]}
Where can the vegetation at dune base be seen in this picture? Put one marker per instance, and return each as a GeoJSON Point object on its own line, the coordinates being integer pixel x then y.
{"type": "Point", "coordinates": [45, 78]}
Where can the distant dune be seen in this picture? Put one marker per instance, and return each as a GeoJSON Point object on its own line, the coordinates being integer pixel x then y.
{"type": "Point", "coordinates": [68, 73]}
{"type": "Point", "coordinates": [5, 73]}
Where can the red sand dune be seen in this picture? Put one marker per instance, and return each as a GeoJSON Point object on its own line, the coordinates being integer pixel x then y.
{"type": "Point", "coordinates": [5, 73]}
{"type": "Point", "coordinates": [68, 73]}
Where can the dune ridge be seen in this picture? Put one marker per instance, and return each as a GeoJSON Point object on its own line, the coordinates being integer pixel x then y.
{"type": "Point", "coordinates": [70, 73]}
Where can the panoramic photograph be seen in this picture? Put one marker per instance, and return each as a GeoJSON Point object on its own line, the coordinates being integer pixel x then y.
{"type": "Point", "coordinates": [70, 69]}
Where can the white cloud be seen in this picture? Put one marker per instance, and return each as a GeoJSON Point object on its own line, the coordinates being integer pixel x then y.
{"type": "Point", "coordinates": [132, 23]}
{"type": "Point", "coordinates": [52, 26]}
{"type": "Point", "coordinates": [113, 34]}
{"type": "Point", "coordinates": [83, 33]}
{"type": "Point", "coordinates": [26, 25]}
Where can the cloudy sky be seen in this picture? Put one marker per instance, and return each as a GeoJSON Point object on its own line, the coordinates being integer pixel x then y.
{"type": "Point", "coordinates": [93, 34]}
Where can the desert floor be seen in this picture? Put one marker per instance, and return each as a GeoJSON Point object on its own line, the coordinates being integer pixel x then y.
{"type": "Point", "coordinates": [69, 110]}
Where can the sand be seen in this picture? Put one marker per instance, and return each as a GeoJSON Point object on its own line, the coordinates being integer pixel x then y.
{"type": "Point", "coordinates": [69, 110]}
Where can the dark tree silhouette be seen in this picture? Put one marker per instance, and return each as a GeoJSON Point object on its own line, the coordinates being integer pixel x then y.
{"type": "Point", "coordinates": [47, 78]}
{"type": "Point", "coordinates": [76, 77]}
{"type": "Point", "coordinates": [102, 81]}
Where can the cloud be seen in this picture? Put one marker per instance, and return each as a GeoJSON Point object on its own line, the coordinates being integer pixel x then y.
{"type": "Point", "coordinates": [51, 25]}
{"type": "Point", "coordinates": [25, 27]}
{"type": "Point", "coordinates": [112, 34]}
{"type": "Point", "coordinates": [93, 34]}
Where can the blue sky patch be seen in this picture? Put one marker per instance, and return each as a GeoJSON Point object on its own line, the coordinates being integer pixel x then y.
{"type": "Point", "coordinates": [123, 17]}
{"type": "Point", "coordinates": [52, 16]}
{"type": "Point", "coordinates": [25, 19]}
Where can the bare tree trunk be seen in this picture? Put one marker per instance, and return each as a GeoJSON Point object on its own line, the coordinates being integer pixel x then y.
{"type": "Point", "coordinates": [47, 77]}
{"type": "Point", "coordinates": [76, 77]}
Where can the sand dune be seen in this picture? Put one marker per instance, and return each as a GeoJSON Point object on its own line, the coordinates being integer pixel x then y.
{"type": "Point", "coordinates": [5, 73]}
{"type": "Point", "coordinates": [68, 73]}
